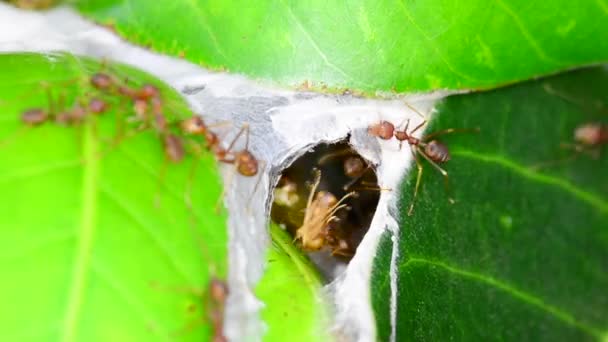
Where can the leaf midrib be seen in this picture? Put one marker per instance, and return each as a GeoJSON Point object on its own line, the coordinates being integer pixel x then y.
{"type": "Point", "coordinates": [516, 293]}
{"type": "Point", "coordinates": [585, 196]}
{"type": "Point", "coordinates": [85, 231]}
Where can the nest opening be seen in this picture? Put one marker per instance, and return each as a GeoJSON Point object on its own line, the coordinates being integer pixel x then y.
{"type": "Point", "coordinates": [326, 200]}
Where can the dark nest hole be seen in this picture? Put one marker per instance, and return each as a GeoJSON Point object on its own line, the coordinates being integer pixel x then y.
{"type": "Point", "coordinates": [344, 178]}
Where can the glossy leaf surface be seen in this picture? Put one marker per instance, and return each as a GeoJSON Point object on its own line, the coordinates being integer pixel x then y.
{"type": "Point", "coordinates": [523, 252]}
{"type": "Point", "coordinates": [294, 309]}
{"type": "Point", "coordinates": [369, 45]}
{"type": "Point", "coordinates": [98, 243]}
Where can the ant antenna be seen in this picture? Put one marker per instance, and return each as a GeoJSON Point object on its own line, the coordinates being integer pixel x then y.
{"type": "Point", "coordinates": [415, 110]}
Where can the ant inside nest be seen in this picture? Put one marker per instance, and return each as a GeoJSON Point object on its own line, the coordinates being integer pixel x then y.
{"type": "Point", "coordinates": [326, 200]}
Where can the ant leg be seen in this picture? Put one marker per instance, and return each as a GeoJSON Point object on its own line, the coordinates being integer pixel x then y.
{"type": "Point", "coordinates": [356, 179]}
{"type": "Point", "coordinates": [407, 125]}
{"type": "Point", "coordinates": [227, 185]}
{"type": "Point", "coordinates": [372, 187]}
{"type": "Point", "coordinates": [344, 152]}
{"type": "Point", "coordinates": [179, 289]}
{"type": "Point", "coordinates": [161, 177]}
{"type": "Point", "coordinates": [418, 178]}
{"type": "Point", "coordinates": [415, 110]}
{"type": "Point", "coordinates": [418, 127]}
{"type": "Point", "coordinates": [245, 128]}
{"type": "Point", "coordinates": [257, 183]}
{"type": "Point", "coordinates": [442, 171]}
{"type": "Point", "coordinates": [449, 131]}
{"type": "Point", "coordinates": [576, 149]}
{"type": "Point", "coordinates": [551, 91]}
{"type": "Point", "coordinates": [191, 175]}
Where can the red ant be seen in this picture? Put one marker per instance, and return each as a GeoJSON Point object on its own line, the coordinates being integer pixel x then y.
{"type": "Point", "coordinates": [432, 150]}
{"type": "Point", "coordinates": [144, 97]}
{"type": "Point", "coordinates": [315, 231]}
{"type": "Point", "coordinates": [214, 304]}
{"type": "Point", "coordinates": [588, 138]}
{"type": "Point", "coordinates": [246, 163]}
{"type": "Point", "coordinates": [354, 167]}
{"type": "Point", "coordinates": [218, 292]}
{"type": "Point", "coordinates": [106, 82]}
{"type": "Point", "coordinates": [591, 134]}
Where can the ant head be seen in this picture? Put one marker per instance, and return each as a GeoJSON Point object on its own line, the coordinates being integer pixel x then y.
{"type": "Point", "coordinates": [247, 164]}
{"type": "Point", "coordinates": [218, 290]}
{"type": "Point", "coordinates": [194, 125]}
{"type": "Point", "coordinates": [101, 81]}
{"type": "Point", "coordinates": [353, 166]}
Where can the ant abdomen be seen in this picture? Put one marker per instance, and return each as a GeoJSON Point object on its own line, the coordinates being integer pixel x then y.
{"type": "Point", "coordinates": [174, 149]}
{"type": "Point", "coordinates": [591, 134]}
{"type": "Point", "coordinates": [34, 116]}
{"type": "Point", "coordinates": [101, 81]}
{"type": "Point", "coordinates": [437, 151]}
{"type": "Point", "coordinates": [247, 164]}
{"type": "Point", "coordinates": [383, 130]}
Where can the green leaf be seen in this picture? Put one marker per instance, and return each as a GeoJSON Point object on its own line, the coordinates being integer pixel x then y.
{"type": "Point", "coordinates": [523, 253]}
{"type": "Point", "coordinates": [369, 45]}
{"type": "Point", "coordinates": [97, 242]}
{"type": "Point", "coordinates": [294, 310]}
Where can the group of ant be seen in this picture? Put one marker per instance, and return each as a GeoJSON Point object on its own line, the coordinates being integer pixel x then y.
{"type": "Point", "coordinates": [321, 226]}
{"type": "Point", "coordinates": [317, 231]}
{"type": "Point", "coordinates": [149, 108]}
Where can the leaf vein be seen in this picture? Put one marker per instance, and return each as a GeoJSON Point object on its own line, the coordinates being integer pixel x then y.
{"type": "Point", "coordinates": [584, 195]}
{"type": "Point", "coordinates": [149, 232]}
{"type": "Point", "coordinates": [86, 235]}
{"type": "Point", "coordinates": [38, 170]}
{"type": "Point", "coordinates": [510, 290]}
{"type": "Point", "coordinates": [527, 36]}
{"type": "Point", "coordinates": [314, 44]}
{"type": "Point", "coordinates": [152, 173]}
{"type": "Point", "coordinates": [432, 44]}
{"type": "Point", "coordinates": [133, 301]}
